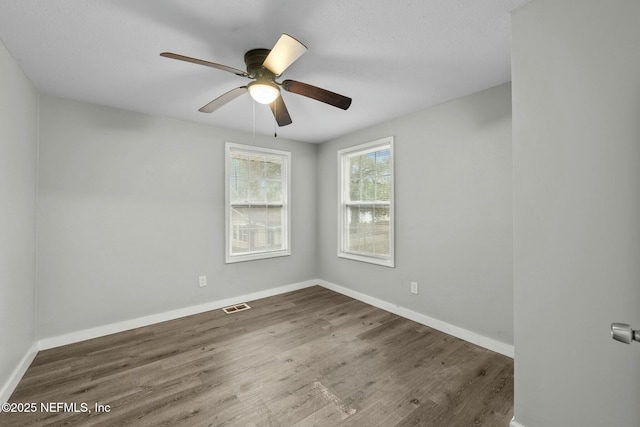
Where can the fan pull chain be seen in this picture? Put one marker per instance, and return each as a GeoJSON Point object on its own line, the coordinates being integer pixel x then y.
{"type": "Point", "coordinates": [275, 129]}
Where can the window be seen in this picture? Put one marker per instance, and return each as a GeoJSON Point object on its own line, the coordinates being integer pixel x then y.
{"type": "Point", "coordinates": [365, 217]}
{"type": "Point", "coordinates": [256, 202]}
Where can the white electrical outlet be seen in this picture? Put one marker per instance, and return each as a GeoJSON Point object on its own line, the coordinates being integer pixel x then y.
{"type": "Point", "coordinates": [414, 287]}
{"type": "Point", "coordinates": [203, 281]}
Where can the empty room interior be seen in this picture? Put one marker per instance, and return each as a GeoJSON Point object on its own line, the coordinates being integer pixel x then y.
{"type": "Point", "coordinates": [321, 213]}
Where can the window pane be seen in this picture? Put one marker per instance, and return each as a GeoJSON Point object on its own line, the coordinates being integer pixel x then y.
{"type": "Point", "coordinates": [368, 190]}
{"type": "Point", "coordinates": [240, 166]}
{"type": "Point", "coordinates": [256, 176]}
{"type": "Point", "coordinates": [360, 237]}
{"type": "Point", "coordinates": [368, 230]}
{"type": "Point", "coordinates": [368, 165]}
{"type": "Point", "coordinates": [240, 223]}
{"type": "Point", "coordinates": [383, 188]}
{"type": "Point", "coordinates": [370, 178]}
{"type": "Point", "coordinates": [383, 162]}
{"type": "Point", "coordinates": [355, 189]}
{"type": "Point", "coordinates": [354, 167]}
{"type": "Point", "coordinates": [239, 190]}
{"type": "Point", "coordinates": [274, 228]}
{"type": "Point", "coordinates": [238, 179]}
{"type": "Point", "coordinates": [273, 168]}
{"type": "Point", "coordinates": [256, 229]}
{"type": "Point", "coordinates": [256, 167]}
{"type": "Point", "coordinates": [274, 191]}
{"type": "Point", "coordinates": [381, 230]}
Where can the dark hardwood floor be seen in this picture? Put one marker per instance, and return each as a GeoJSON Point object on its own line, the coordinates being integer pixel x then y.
{"type": "Point", "coordinates": [307, 358]}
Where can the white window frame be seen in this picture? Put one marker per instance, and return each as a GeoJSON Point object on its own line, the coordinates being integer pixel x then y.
{"type": "Point", "coordinates": [285, 250]}
{"type": "Point", "coordinates": [344, 202]}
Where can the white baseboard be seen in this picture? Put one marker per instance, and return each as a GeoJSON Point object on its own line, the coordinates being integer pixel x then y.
{"type": "Point", "coordinates": [77, 336]}
{"type": "Point", "coordinates": [472, 337]}
{"type": "Point", "coordinates": [17, 374]}
{"type": "Point", "coordinates": [514, 423]}
{"type": "Point", "coordinates": [86, 334]}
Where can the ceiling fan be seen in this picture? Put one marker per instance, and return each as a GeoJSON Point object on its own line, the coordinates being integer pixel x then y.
{"type": "Point", "coordinates": [263, 67]}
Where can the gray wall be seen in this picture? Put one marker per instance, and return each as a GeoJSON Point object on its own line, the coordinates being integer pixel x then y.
{"type": "Point", "coordinates": [18, 173]}
{"type": "Point", "coordinates": [453, 214]}
{"type": "Point", "coordinates": [576, 103]}
{"type": "Point", "coordinates": [131, 212]}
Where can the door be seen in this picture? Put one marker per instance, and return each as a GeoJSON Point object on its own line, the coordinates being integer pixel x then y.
{"type": "Point", "coordinates": [576, 126]}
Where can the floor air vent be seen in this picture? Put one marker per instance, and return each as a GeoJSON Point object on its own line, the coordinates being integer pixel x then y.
{"type": "Point", "coordinates": [236, 308]}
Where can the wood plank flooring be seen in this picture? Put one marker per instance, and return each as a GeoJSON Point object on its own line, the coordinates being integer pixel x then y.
{"type": "Point", "coordinates": [306, 358]}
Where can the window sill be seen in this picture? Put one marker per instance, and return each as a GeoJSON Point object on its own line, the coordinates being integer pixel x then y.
{"type": "Point", "coordinates": [369, 260]}
{"type": "Point", "coordinates": [256, 256]}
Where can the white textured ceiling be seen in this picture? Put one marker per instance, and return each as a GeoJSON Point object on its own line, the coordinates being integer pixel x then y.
{"type": "Point", "coordinates": [391, 57]}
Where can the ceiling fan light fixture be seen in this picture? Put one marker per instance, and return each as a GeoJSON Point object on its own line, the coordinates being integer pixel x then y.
{"type": "Point", "coordinates": [264, 92]}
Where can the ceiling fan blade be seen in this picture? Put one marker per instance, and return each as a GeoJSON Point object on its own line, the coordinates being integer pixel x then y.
{"type": "Point", "coordinates": [207, 63]}
{"type": "Point", "coordinates": [280, 112]}
{"type": "Point", "coordinates": [317, 93]}
{"type": "Point", "coordinates": [223, 99]}
{"type": "Point", "coordinates": [284, 53]}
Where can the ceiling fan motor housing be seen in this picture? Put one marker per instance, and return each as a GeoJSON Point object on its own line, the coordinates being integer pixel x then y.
{"type": "Point", "coordinates": [254, 60]}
